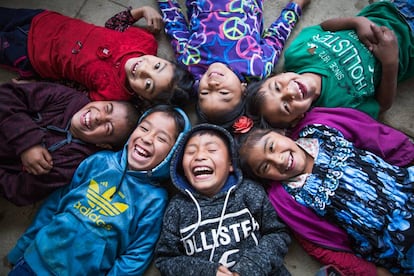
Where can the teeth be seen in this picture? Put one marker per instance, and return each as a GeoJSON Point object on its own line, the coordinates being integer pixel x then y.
{"type": "Point", "coordinates": [88, 119]}
{"type": "Point", "coordinates": [134, 69]}
{"type": "Point", "coordinates": [290, 162]}
{"type": "Point", "coordinates": [141, 151]}
{"type": "Point", "coordinates": [202, 170]}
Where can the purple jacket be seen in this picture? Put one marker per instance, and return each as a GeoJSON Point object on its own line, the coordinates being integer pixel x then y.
{"type": "Point", "coordinates": [26, 111]}
{"type": "Point", "coordinates": [365, 132]}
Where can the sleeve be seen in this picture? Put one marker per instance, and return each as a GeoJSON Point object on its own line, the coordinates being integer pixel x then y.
{"type": "Point", "coordinates": [279, 31]}
{"type": "Point", "coordinates": [45, 214]}
{"type": "Point", "coordinates": [175, 25]}
{"type": "Point", "coordinates": [19, 103]}
{"type": "Point", "coordinates": [170, 256]}
{"type": "Point", "coordinates": [120, 21]}
{"type": "Point", "coordinates": [347, 262]}
{"type": "Point", "coordinates": [273, 245]}
{"type": "Point", "coordinates": [365, 132]}
{"type": "Point", "coordinates": [136, 259]}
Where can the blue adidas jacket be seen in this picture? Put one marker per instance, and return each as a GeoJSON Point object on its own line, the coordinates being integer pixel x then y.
{"type": "Point", "coordinates": [106, 222]}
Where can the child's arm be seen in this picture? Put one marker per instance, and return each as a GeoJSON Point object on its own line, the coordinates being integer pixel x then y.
{"type": "Point", "coordinates": [175, 24]}
{"type": "Point", "coordinates": [386, 51]}
{"type": "Point", "coordinates": [382, 42]}
{"type": "Point", "coordinates": [279, 31]}
{"type": "Point", "coordinates": [37, 160]}
{"type": "Point", "coordinates": [273, 245]}
{"type": "Point", "coordinates": [44, 215]}
{"type": "Point", "coordinates": [390, 144]}
{"type": "Point", "coordinates": [124, 19]}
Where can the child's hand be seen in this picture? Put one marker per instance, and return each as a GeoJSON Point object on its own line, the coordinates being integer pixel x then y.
{"type": "Point", "coordinates": [364, 31]}
{"type": "Point", "coordinates": [151, 15]}
{"type": "Point", "coordinates": [302, 3]}
{"type": "Point", "coordinates": [386, 50]}
{"type": "Point", "coordinates": [223, 271]}
{"type": "Point", "coordinates": [37, 160]}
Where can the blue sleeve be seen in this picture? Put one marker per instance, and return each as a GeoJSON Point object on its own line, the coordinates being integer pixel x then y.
{"type": "Point", "coordinates": [44, 215]}
{"type": "Point", "coordinates": [279, 31]}
{"type": "Point", "coordinates": [175, 25]}
{"type": "Point", "coordinates": [136, 259]}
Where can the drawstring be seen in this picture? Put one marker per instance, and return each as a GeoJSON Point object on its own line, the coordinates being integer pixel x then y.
{"type": "Point", "coordinates": [69, 138]}
{"type": "Point", "coordinates": [198, 215]}
{"type": "Point", "coordinates": [223, 211]}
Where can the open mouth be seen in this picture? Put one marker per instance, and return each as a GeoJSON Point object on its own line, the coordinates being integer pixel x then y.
{"type": "Point", "coordinates": [302, 90]}
{"type": "Point", "coordinates": [86, 119]}
{"type": "Point", "coordinates": [134, 68]}
{"type": "Point", "coordinates": [202, 171]}
{"type": "Point", "coordinates": [290, 163]}
{"type": "Point", "coordinates": [141, 152]}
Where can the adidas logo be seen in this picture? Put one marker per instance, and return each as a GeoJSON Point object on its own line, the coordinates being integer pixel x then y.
{"type": "Point", "coordinates": [100, 205]}
{"type": "Point", "coordinates": [103, 202]}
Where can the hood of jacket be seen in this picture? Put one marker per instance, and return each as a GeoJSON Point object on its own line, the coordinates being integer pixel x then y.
{"type": "Point", "coordinates": [176, 169]}
{"type": "Point", "coordinates": [161, 171]}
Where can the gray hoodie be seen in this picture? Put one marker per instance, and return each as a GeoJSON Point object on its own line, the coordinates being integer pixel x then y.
{"type": "Point", "coordinates": [237, 227]}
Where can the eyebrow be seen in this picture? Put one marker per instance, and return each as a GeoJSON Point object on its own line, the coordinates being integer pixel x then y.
{"type": "Point", "coordinates": [265, 144]}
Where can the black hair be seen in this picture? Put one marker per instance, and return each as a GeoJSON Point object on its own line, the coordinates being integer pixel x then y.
{"type": "Point", "coordinates": [254, 103]}
{"type": "Point", "coordinates": [131, 123]}
{"type": "Point", "coordinates": [216, 133]}
{"type": "Point", "coordinates": [225, 119]}
{"type": "Point", "coordinates": [246, 141]}
{"type": "Point", "coordinates": [179, 89]}
{"type": "Point", "coordinates": [171, 112]}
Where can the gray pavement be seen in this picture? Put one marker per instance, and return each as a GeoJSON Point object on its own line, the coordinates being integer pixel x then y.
{"type": "Point", "coordinates": [13, 220]}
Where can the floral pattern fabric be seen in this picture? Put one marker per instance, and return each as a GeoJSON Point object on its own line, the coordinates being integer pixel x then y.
{"type": "Point", "coordinates": [372, 200]}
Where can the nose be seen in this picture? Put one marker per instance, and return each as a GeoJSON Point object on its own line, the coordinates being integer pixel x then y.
{"type": "Point", "coordinates": [199, 156]}
{"type": "Point", "coordinates": [288, 93]}
{"type": "Point", "coordinates": [213, 83]}
{"type": "Point", "coordinates": [148, 138]}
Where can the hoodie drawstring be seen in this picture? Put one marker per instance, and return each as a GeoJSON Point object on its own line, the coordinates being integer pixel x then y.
{"type": "Point", "coordinates": [198, 215]}
{"type": "Point", "coordinates": [223, 212]}
{"type": "Point", "coordinates": [69, 138]}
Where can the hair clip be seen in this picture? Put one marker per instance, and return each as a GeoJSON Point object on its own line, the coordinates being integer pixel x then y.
{"type": "Point", "coordinates": [243, 124]}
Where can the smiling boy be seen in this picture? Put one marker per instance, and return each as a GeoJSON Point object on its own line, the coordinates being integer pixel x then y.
{"type": "Point", "coordinates": [47, 129]}
{"type": "Point", "coordinates": [218, 223]}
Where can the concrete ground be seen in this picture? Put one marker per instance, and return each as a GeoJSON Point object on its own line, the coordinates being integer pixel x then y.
{"type": "Point", "coordinates": [13, 220]}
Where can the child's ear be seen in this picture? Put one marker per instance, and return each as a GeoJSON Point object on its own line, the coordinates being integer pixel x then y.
{"type": "Point", "coordinates": [244, 87]}
{"type": "Point", "coordinates": [105, 146]}
{"type": "Point", "coordinates": [231, 169]}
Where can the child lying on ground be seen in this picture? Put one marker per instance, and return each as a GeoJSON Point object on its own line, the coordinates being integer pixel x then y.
{"type": "Point", "coordinates": [47, 130]}
{"type": "Point", "coordinates": [219, 223]}
{"type": "Point", "coordinates": [350, 187]}
{"type": "Point", "coordinates": [344, 62]}
{"type": "Point", "coordinates": [114, 63]}
{"type": "Point", "coordinates": [107, 221]}
{"type": "Point", "coordinates": [225, 45]}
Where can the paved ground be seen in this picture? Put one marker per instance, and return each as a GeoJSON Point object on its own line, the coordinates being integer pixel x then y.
{"type": "Point", "coordinates": [13, 220]}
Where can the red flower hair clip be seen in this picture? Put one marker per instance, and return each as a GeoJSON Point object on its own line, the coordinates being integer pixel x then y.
{"type": "Point", "coordinates": [243, 124]}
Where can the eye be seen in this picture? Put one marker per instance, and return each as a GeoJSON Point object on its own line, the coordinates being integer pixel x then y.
{"type": "Point", "coordinates": [286, 107]}
{"type": "Point", "coordinates": [109, 128]}
{"type": "Point", "coordinates": [271, 147]}
{"type": "Point", "coordinates": [157, 66]}
{"type": "Point", "coordinates": [108, 108]}
{"type": "Point", "coordinates": [204, 92]}
{"type": "Point", "coordinates": [277, 88]}
{"type": "Point", "coordinates": [162, 139]}
{"type": "Point", "coordinates": [148, 84]}
{"type": "Point", "coordinates": [224, 92]}
{"type": "Point", "coordinates": [143, 128]}
{"type": "Point", "coordinates": [263, 168]}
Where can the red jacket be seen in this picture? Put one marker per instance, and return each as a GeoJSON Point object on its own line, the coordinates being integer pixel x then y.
{"type": "Point", "coordinates": [62, 47]}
